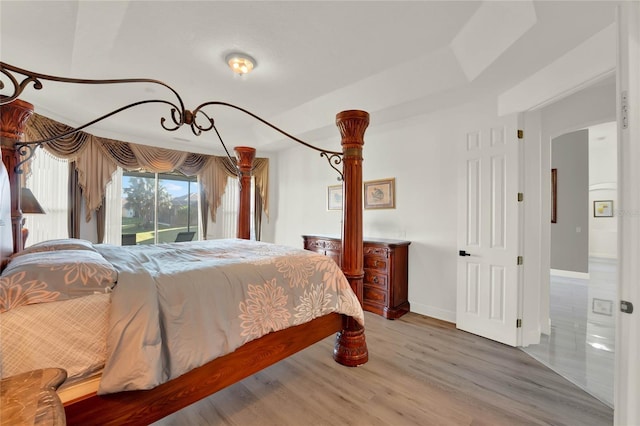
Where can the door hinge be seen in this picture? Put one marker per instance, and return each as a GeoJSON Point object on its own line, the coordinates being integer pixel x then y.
{"type": "Point", "coordinates": [520, 260]}
{"type": "Point", "coordinates": [519, 323]}
{"type": "Point", "coordinates": [520, 134]}
{"type": "Point", "coordinates": [520, 197]}
{"type": "Point", "coordinates": [624, 109]}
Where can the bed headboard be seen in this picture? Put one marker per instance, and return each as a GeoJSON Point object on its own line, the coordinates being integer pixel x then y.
{"type": "Point", "coordinates": [6, 236]}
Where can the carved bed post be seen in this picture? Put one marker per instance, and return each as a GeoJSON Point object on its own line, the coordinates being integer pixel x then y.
{"type": "Point", "coordinates": [13, 117]}
{"type": "Point", "coordinates": [351, 346]}
{"type": "Point", "coordinates": [245, 156]}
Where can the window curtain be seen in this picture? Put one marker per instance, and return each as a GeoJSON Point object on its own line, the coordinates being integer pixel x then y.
{"type": "Point", "coordinates": [75, 207]}
{"type": "Point", "coordinates": [101, 217]}
{"type": "Point", "coordinates": [98, 158]}
{"type": "Point", "coordinates": [75, 200]}
{"type": "Point", "coordinates": [231, 200]}
{"type": "Point", "coordinates": [204, 211]}
{"type": "Point", "coordinates": [217, 178]}
{"type": "Point", "coordinates": [113, 210]}
{"type": "Point", "coordinates": [50, 187]}
{"type": "Point", "coordinates": [257, 216]}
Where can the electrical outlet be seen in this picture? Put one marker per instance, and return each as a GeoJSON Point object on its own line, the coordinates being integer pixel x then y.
{"type": "Point", "coordinates": [602, 307]}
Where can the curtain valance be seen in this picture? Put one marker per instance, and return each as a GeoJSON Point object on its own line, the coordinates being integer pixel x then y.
{"type": "Point", "coordinates": [97, 159]}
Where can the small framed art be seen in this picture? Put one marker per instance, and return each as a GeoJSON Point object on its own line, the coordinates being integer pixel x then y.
{"type": "Point", "coordinates": [603, 208]}
{"type": "Point", "coordinates": [334, 197]}
{"type": "Point", "coordinates": [380, 194]}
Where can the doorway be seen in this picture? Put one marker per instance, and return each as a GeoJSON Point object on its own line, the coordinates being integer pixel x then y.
{"type": "Point", "coordinates": [583, 251]}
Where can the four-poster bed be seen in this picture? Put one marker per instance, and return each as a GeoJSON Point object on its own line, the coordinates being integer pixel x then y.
{"type": "Point", "coordinates": [145, 406]}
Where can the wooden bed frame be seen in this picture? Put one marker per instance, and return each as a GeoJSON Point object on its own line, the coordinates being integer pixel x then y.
{"type": "Point", "coordinates": [144, 407]}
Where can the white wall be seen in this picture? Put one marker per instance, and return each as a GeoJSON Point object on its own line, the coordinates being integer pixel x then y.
{"type": "Point", "coordinates": [603, 185]}
{"type": "Point", "coordinates": [420, 153]}
{"type": "Point", "coordinates": [570, 233]}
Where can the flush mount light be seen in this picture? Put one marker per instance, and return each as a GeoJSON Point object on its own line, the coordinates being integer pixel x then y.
{"type": "Point", "coordinates": [240, 63]}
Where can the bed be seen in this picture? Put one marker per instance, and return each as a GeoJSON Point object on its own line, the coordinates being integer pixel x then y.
{"type": "Point", "coordinates": [183, 385]}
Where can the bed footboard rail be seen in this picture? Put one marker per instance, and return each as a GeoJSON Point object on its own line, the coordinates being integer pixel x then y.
{"type": "Point", "coordinates": [147, 406]}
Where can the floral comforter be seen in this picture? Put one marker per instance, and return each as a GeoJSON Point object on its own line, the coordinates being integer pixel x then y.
{"type": "Point", "coordinates": [178, 306]}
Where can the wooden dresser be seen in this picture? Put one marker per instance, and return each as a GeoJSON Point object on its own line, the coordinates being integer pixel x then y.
{"type": "Point", "coordinates": [386, 264]}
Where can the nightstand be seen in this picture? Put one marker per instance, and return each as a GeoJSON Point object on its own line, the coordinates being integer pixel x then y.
{"type": "Point", "coordinates": [30, 398]}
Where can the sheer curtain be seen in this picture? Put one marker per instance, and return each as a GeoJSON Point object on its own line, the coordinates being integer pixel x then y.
{"type": "Point", "coordinates": [50, 185]}
{"type": "Point", "coordinates": [226, 225]}
{"type": "Point", "coordinates": [113, 219]}
{"type": "Point", "coordinates": [229, 209]}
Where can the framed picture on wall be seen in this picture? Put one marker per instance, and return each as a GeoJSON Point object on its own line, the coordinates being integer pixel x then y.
{"type": "Point", "coordinates": [603, 208]}
{"type": "Point", "coordinates": [380, 194]}
{"type": "Point", "coordinates": [334, 197]}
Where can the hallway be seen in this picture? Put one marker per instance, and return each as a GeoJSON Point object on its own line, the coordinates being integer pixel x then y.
{"type": "Point", "coordinates": [582, 340]}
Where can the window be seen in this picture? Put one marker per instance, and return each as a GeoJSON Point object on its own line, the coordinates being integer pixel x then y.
{"type": "Point", "coordinates": [156, 207]}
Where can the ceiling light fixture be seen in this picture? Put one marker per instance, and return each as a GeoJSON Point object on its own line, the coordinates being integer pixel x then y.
{"type": "Point", "coordinates": [240, 63]}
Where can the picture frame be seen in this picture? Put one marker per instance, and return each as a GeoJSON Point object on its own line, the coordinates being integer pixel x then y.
{"type": "Point", "coordinates": [334, 197]}
{"type": "Point", "coordinates": [380, 194]}
{"type": "Point", "coordinates": [603, 208]}
{"type": "Point", "coordinates": [554, 195]}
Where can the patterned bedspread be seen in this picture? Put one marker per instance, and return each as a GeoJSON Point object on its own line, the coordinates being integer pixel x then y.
{"type": "Point", "coordinates": [178, 306]}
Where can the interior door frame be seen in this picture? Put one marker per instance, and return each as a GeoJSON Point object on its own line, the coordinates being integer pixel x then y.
{"type": "Point", "coordinates": [627, 73]}
{"type": "Point", "coordinates": [627, 370]}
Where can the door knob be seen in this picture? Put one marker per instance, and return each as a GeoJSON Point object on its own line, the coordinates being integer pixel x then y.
{"type": "Point", "coordinates": [464, 253]}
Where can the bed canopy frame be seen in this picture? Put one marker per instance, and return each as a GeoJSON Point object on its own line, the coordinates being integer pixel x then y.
{"type": "Point", "coordinates": [143, 407]}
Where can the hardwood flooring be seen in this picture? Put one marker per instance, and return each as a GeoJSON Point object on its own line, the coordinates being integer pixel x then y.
{"type": "Point", "coordinates": [420, 372]}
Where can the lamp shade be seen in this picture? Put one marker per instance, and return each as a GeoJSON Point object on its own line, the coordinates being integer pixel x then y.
{"type": "Point", "coordinates": [29, 204]}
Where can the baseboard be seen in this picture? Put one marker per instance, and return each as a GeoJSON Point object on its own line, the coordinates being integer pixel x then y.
{"type": "Point", "coordinates": [603, 258]}
{"type": "Point", "coordinates": [431, 311]}
{"type": "Point", "coordinates": [569, 274]}
{"type": "Point", "coordinates": [531, 338]}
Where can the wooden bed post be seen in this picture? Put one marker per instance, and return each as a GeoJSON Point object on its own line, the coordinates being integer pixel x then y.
{"type": "Point", "coordinates": [245, 156]}
{"type": "Point", "coordinates": [13, 117]}
{"type": "Point", "coordinates": [351, 346]}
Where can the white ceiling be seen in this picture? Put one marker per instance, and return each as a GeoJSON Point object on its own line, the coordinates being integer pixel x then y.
{"type": "Point", "coordinates": [315, 59]}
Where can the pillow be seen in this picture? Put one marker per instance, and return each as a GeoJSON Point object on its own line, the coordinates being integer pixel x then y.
{"type": "Point", "coordinates": [59, 244]}
{"type": "Point", "coordinates": [54, 275]}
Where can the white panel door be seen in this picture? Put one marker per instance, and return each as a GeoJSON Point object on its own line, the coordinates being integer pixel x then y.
{"type": "Point", "coordinates": [489, 231]}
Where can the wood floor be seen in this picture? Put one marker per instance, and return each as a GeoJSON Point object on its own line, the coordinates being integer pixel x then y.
{"type": "Point", "coordinates": [420, 372]}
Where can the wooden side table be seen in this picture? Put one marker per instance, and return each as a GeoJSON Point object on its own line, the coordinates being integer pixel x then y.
{"type": "Point", "coordinates": [30, 398]}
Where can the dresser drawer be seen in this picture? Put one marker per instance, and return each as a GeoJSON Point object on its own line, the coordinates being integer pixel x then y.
{"type": "Point", "coordinates": [375, 295]}
{"type": "Point", "coordinates": [376, 251]}
{"type": "Point", "coordinates": [318, 245]}
{"type": "Point", "coordinates": [376, 280]}
{"type": "Point", "coordinates": [375, 262]}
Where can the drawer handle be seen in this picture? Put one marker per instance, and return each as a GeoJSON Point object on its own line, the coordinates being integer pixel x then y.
{"type": "Point", "coordinates": [375, 279]}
